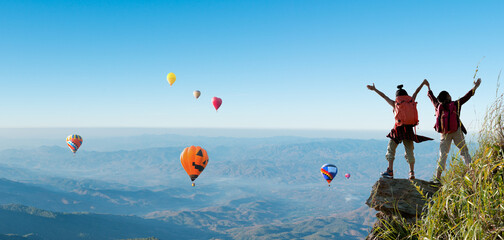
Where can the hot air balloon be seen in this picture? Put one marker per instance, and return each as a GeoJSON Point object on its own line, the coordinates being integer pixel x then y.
{"type": "Point", "coordinates": [196, 94]}
{"type": "Point", "coordinates": [347, 175]}
{"type": "Point", "coordinates": [216, 102]}
{"type": "Point", "coordinates": [74, 142]}
{"type": "Point", "coordinates": [171, 78]}
{"type": "Point", "coordinates": [329, 171]}
{"type": "Point", "coordinates": [194, 160]}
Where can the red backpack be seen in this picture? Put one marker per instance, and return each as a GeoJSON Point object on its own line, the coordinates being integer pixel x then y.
{"type": "Point", "coordinates": [405, 111]}
{"type": "Point", "coordinates": [447, 118]}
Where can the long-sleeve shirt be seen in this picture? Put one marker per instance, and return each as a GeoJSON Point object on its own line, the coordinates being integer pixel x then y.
{"type": "Point", "coordinates": [459, 102]}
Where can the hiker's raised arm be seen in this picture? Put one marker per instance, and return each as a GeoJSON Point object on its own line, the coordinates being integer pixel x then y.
{"type": "Point", "coordinates": [418, 89]}
{"type": "Point", "coordinates": [373, 88]}
{"type": "Point", "coordinates": [431, 96]}
{"type": "Point", "coordinates": [468, 95]}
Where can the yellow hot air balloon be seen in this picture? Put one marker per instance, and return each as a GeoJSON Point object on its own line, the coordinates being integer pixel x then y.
{"type": "Point", "coordinates": [196, 94]}
{"type": "Point", "coordinates": [171, 78]}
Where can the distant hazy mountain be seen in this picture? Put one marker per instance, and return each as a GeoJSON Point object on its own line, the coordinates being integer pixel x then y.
{"type": "Point", "coordinates": [147, 180]}
{"type": "Point", "coordinates": [236, 214]}
{"type": "Point", "coordinates": [21, 220]}
{"type": "Point", "coordinates": [82, 199]}
{"type": "Point", "coordinates": [262, 160]}
{"type": "Point", "coordinates": [254, 220]}
{"type": "Point", "coordinates": [323, 227]}
{"type": "Point", "coordinates": [267, 187]}
{"type": "Point", "coordinates": [113, 139]}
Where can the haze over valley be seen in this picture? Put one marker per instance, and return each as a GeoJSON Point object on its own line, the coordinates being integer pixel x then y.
{"type": "Point", "coordinates": [271, 187]}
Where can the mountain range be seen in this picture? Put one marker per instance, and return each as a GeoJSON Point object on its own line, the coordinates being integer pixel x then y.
{"type": "Point", "coordinates": [251, 189]}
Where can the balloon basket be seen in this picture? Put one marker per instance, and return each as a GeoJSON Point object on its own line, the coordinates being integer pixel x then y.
{"type": "Point", "coordinates": [193, 184]}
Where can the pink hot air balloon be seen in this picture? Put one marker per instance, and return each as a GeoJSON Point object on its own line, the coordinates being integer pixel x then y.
{"type": "Point", "coordinates": [216, 102]}
{"type": "Point", "coordinates": [347, 175]}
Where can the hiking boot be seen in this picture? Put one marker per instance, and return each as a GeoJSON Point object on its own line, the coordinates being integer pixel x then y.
{"type": "Point", "coordinates": [388, 174]}
{"type": "Point", "coordinates": [411, 175]}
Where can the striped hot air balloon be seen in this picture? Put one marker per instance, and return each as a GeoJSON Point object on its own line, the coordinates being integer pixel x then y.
{"type": "Point", "coordinates": [74, 142]}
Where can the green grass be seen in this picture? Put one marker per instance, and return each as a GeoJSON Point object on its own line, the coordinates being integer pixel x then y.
{"type": "Point", "coordinates": [470, 203]}
{"type": "Point", "coordinates": [395, 227]}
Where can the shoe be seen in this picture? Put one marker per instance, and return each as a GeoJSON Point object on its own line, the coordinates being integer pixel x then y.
{"type": "Point", "coordinates": [388, 174]}
{"type": "Point", "coordinates": [411, 175]}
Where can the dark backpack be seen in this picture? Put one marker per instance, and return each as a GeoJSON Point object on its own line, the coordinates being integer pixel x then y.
{"type": "Point", "coordinates": [447, 118]}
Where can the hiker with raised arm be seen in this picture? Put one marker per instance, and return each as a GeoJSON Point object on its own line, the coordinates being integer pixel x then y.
{"type": "Point", "coordinates": [406, 118]}
{"type": "Point", "coordinates": [449, 125]}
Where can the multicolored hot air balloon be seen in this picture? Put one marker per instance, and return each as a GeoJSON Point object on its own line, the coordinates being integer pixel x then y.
{"type": "Point", "coordinates": [216, 102]}
{"type": "Point", "coordinates": [74, 142]}
{"type": "Point", "coordinates": [196, 94]}
{"type": "Point", "coordinates": [194, 160]}
{"type": "Point", "coordinates": [347, 175]}
{"type": "Point", "coordinates": [329, 171]}
{"type": "Point", "coordinates": [171, 78]}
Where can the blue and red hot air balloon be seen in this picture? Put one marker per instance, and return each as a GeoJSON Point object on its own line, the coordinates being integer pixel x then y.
{"type": "Point", "coordinates": [329, 171]}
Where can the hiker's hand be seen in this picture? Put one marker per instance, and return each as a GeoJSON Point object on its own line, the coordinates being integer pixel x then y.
{"type": "Point", "coordinates": [426, 83]}
{"type": "Point", "coordinates": [372, 88]}
{"type": "Point", "coordinates": [477, 83]}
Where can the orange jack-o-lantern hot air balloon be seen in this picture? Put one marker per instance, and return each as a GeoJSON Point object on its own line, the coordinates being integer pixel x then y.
{"type": "Point", "coordinates": [194, 160]}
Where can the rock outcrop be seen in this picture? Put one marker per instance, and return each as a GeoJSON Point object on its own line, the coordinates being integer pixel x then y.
{"type": "Point", "coordinates": [399, 198]}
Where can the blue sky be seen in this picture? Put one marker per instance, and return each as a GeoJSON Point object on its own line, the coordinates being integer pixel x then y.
{"type": "Point", "coordinates": [275, 64]}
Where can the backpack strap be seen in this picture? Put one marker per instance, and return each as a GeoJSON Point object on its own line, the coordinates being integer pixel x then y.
{"type": "Point", "coordinates": [458, 115]}
{"type": "Point", "coordinates": [439, 120]}
{"type": "Point", "coordinates": [449, 113]}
